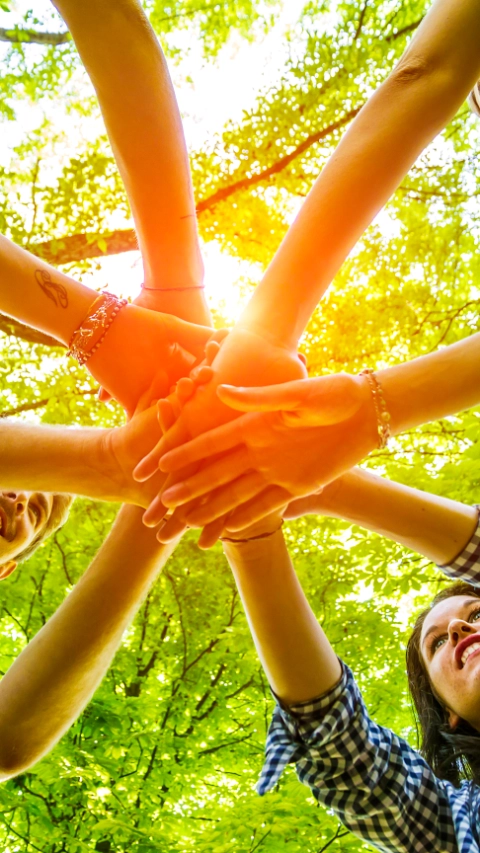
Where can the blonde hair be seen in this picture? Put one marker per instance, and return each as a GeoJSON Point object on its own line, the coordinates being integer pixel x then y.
{"type": "Point", "coordinates": [58, 516]}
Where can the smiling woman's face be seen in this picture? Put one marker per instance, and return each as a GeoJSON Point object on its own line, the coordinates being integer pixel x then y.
{"type": "Point", "coordinates": [450, 648]}
{"type": "Point", "coordinates": [23, 517]}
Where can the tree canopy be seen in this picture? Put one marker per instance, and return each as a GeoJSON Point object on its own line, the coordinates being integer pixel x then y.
{"type": "Point", "coordinates": [166, 756]}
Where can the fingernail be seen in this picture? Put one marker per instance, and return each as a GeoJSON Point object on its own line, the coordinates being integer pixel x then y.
{"type": "Point", "coordinates": [138, 474]}
{"type": "Point", "coordinates": [159, 534]}
{"type": "Point", "coordinates": [154, 514]}
{"type": "Point", "coordinates": [172, 496]}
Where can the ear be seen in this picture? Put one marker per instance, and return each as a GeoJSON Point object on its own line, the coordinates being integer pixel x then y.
{"type": "Point", "coordinates": [453, 719]}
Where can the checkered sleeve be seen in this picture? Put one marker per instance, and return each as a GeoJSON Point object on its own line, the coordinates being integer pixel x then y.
{"type": "Point", "coordinates": [466, 566]}
{"type": "Point", "coordinates": [379, 787]}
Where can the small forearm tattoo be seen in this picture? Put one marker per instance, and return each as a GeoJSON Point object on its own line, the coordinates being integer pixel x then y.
{"type": "Point", "coordinates": [56, 292]}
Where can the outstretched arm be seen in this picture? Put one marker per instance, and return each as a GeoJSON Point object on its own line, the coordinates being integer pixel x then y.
{"type": "Point", "coordinates": [348, 761]}
{"type": "Point", "coordinates": [301, 435]}
{"type": "Point", "coordinates": [295, 653]}
{"type": "Point", "coordinates": [433, 78]}
{"type": "Point", "coordinates": [95, 463]}
{"type": "Point", "coordinates": [434, 526]}
{"type": "Point", "coordinates": [138, 344]}
{"type": "Point", "coordinates": [56, 675]}
{"type": "Point", "coordinates": [126, 65]}
{"type": "Point", "coordinates": [424, 91]}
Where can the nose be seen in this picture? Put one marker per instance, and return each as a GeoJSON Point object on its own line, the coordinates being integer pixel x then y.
{"type": "Point", "coordinates": [458, 630]}
{"type": "Point", "coordinates": [18, 500]}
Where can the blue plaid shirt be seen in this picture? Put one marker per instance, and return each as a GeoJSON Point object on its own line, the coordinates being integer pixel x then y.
{"type": "Point", "coordinates": [379, 787]}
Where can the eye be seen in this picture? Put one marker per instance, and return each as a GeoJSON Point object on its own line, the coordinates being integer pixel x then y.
{"type": "Point", "coordinates": [475, 615]}
{"type": "Point", "coordinates": [437, 642]}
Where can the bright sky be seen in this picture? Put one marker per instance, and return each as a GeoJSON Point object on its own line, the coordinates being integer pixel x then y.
{"type": "Point", "coordinates": [219, 91]}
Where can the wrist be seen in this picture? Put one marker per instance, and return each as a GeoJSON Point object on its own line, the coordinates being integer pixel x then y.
{"type": "Point", "coordinates": [108, 482]}
{"type": "Point", "coordinates": [373, 412]}
{"type": "Point", "coordinates": [187, 304]}
{"type": "Point", "coordinates": [262, 531]}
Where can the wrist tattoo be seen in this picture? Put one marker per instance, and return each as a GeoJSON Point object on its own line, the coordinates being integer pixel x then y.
{"type": "Point", "coordinates": [56, 292]}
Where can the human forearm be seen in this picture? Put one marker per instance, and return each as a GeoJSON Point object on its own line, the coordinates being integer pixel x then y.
{"type": "Point", "coordinates": [95, 463]}
{"type": "Point", "coordinates": [429, 524]}
{"type": "Point", "coordinates": [55, 676]}
{"type": "Point", "coordinates": [421, 95]}
{"type": "Point", "coordinates": [55, 459]}
{"type": "Point", "coordinates": [40, 296]}
{"type": "Point", "coordinates": [295, 653]}
{"type": "Point", "coordinates": [442, 383]}
{"type": "Point", "coordinates": [126, 65]}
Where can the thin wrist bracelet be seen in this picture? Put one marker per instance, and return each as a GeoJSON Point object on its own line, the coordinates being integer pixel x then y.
{"type": "Point", "coordinates": [253, 538]}
{"type": "Point", "coordinates": [380, 406]}
{"type": "Point", "coordinates": [98, 320]}
{"type": "Point", "coordinates": [171, 289]}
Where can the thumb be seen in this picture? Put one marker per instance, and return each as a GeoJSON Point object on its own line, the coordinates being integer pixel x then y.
{"type": "Point", "coordinates": [191, 337]}
{"type": "Point", "coordinates": [271, 398]}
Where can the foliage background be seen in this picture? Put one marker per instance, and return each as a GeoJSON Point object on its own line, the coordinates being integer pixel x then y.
{"type": "Point", "coordinates": [166, 756]}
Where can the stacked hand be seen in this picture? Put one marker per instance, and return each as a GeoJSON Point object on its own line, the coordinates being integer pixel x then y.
{"type": "Point", "coordinates": [144, 348]}
{"type": "Point", "coordinates": [295, 438]}
{"type": "Point", "coordinates": [244, 357]}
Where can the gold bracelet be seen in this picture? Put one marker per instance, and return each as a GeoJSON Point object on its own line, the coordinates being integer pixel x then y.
{"type": "Point", "coordinates": [253, 538]}
{"type": "Point", "coordinates": [380, 406]}
{"type": "Point", "coordinates": [98, 319]}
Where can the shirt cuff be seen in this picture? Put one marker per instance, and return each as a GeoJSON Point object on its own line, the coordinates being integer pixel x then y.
{"type": "Point", "coordinates": [293, 727]}
{"type": "Point", "coordinates": [466, 566]}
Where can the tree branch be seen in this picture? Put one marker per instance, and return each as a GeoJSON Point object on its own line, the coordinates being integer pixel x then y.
{"type": "Point", "coordinates": [340, 833]}
{"type": "Point", "coordinates": [247, 182]}
{"type": "Point", "coordinates": [19, 330]}
{"type": "Point", "coordinates": [410, 28]}
{"type": "Point", "coordinates": [40, 404]}
{"type": "Point", "coordinates": [18, 35]}
{"type": "Point", "coordinates": [361, 21]}
{"type": "Point", "coordinates": [79, 247]}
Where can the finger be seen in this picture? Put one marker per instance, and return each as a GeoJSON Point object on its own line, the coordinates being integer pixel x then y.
{"type": "Point", "coordinates": [211, 533]}
{"type": "Point", "coordinates": [166, 415]}
{"type": "Point", "coordinates": [202, 375]}
{"type": "Point", "coordinates": [153, 392]}
{"type": "Point", "coordinates": [179, 364]}
{"type": "Point", "coordinates": [226, 499]}
{"type": "Point", "coordinates": [158, 385]}
{"type": "Point", "coordinates": [171, 529]}
{"type": "Point", "coordinates": [185, 389]}
{"type": "Point", "coordinates": [214, 475]}
{"type": "Point", "coordinates": [210, 443]}
{"type": "Point", "coordinates": [219, 335]}
{"type": "Point", "coordinates": [299, 507]}
{"type": "Point", "coordinates": [148, 466]}
{"type": "Point", "coordinates": [103, 395]}
{"type": "Point", "coordinates": [270, 398]}
{"type": "Point", "coordinates": [191, 337]}
{"type": "Point", "coordinates": [270, 500]}
{"type": "Point", "coordinates": [155, 513]}
{"type": "Point", "coordinates": [211, 350]}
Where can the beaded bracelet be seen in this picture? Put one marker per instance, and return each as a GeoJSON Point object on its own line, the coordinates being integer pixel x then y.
{"type": "Point", "coordinates": [97, 319]}
{"type": "Point", "coordinates": [380, 406]}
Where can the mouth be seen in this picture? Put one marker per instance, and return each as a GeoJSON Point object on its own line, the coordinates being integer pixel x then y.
{"type": "Point", "coordinates": [467, 647]}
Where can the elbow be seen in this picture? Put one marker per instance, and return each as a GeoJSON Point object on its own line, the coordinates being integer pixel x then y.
{"type": "Point", "coordinates": [425, 86]}
{"type": "Point", "coordinates": [13, 763]}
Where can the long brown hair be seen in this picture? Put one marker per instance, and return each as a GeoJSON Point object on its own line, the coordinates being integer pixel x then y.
{"type": "Point", "coordinates": [453, 754]}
